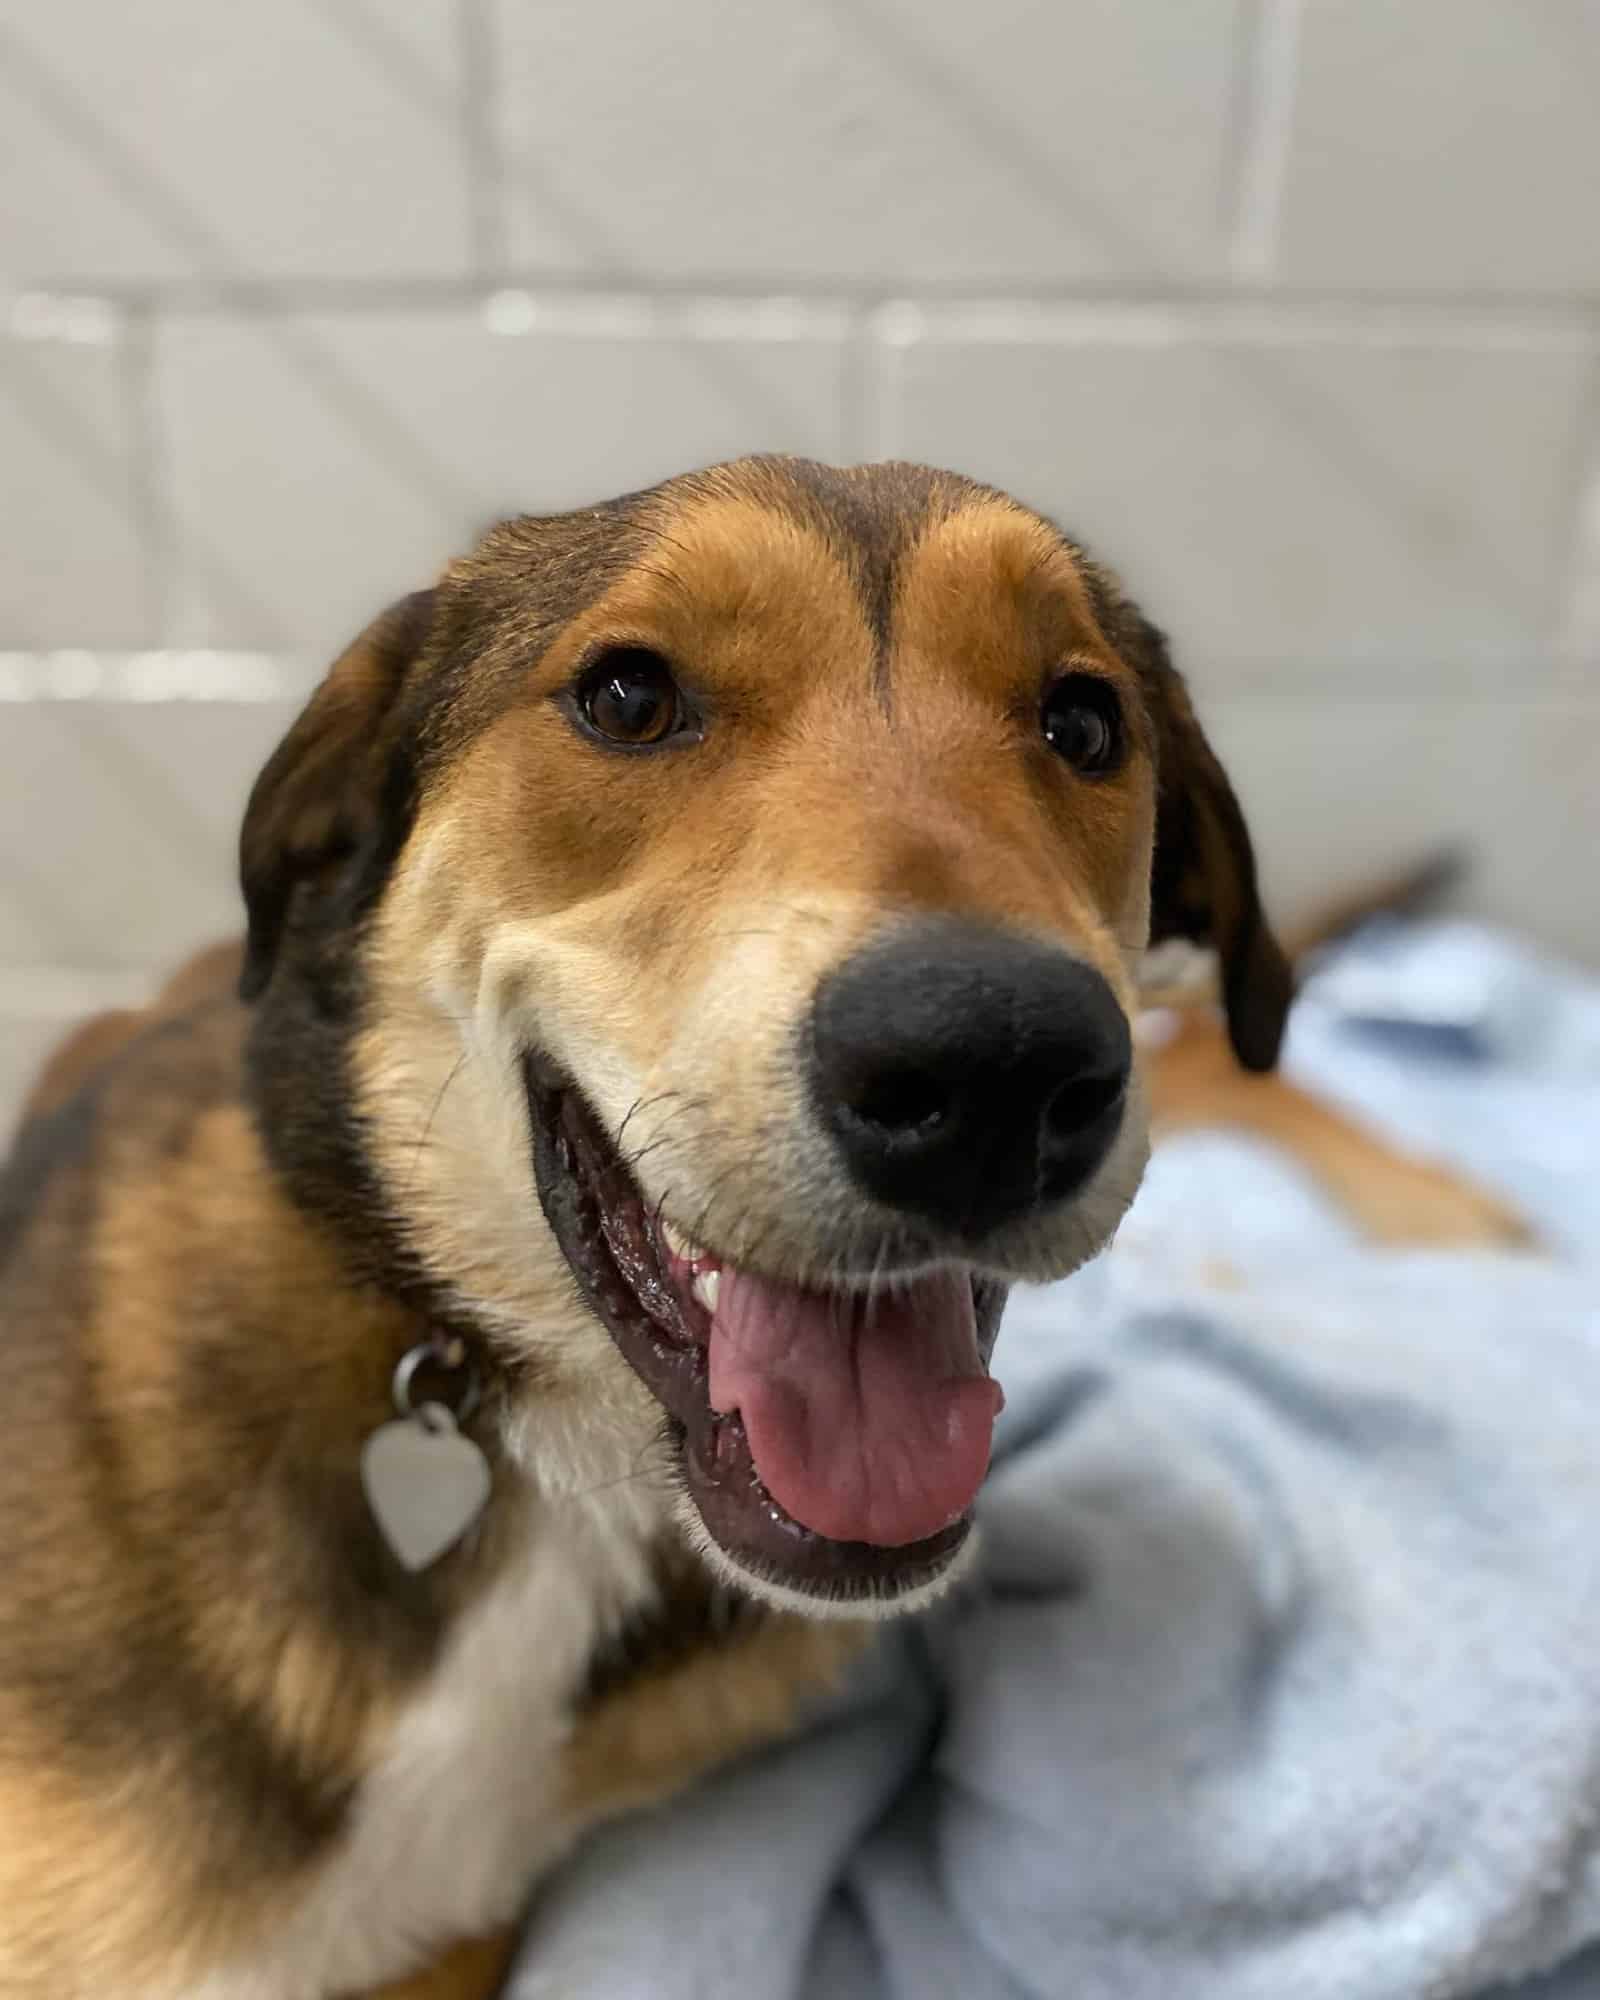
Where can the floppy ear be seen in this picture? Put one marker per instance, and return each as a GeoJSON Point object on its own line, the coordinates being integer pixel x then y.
{"type": "Point", "coordinates": [333, 802]}
{"type": "Point", "coordinates": [1203, 880]}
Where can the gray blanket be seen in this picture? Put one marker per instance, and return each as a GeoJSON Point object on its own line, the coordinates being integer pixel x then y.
{"type": "Point", "coordinates": [1281, 1676]}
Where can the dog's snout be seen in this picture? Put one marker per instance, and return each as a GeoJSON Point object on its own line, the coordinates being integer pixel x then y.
{"type": "Point", "coordinates": [966, 1074]}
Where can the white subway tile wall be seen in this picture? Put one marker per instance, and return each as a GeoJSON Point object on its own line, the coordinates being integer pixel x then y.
{"type": "Point", "coordinates": [873, 142]}
{"type": "Point", "coordinates": [1292, 307]}
{"type": "Point", "coordinates": [322, 463]}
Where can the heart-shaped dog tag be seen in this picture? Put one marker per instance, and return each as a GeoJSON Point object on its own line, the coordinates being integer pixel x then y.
{"type": "Point", "coordinates": [425, 1483]}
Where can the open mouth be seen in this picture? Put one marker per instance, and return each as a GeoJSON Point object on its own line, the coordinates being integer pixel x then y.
{"type": "Point", "coordinates": [831, 1440]}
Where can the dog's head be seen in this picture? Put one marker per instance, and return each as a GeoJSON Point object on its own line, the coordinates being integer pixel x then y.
{"type": "Point", "coordinates": [727, 904]}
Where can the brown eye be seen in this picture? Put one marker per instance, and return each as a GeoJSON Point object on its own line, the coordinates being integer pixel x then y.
{"type": "Point", "coordinates": [629, 696]}
{"type": "Point", "coordinates": [1082, 722]}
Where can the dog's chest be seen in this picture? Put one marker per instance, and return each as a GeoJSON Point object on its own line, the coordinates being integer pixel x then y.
{"type": "Point", "coordinates": [461, 1812]}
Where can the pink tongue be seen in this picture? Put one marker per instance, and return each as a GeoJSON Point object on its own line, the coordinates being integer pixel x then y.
{"type": "Point", "coordinates": [869, 1419]}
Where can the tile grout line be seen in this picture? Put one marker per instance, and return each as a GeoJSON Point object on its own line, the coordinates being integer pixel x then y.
{"type": "Point", "coordinates": [1264, 101]}
{"type": "Point", "coordinates": [150, 499]}
{"type": "Point", "coordinates": [209, 294]}
{"type": "Point", "coordinates": [1240, 317]}
{"type": "Point", "coordinates": [1576, 640]}
{"type": "Point", "coordinates": [480, 140]}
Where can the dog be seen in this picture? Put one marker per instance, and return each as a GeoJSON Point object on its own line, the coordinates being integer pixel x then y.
{"type": "Point", "coordinates": [488, 1350]}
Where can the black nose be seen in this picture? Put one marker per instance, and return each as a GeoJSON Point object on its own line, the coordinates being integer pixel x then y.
{"type": "Point", "coordinates": [968, 1075]}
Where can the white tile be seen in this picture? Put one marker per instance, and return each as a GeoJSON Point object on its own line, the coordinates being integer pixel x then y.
{"type": "Point", "coordinates": [181, 139]}
{"type": "Point", "coordinates": [1445, 143]}
{"type": "Point", "coordinates": [883, 141]}
{"type": "Point", "coordinates": [323, 465]}
{"type": "Point", "coordinates": [120, 828]}
{"type": "Point", "coordinates": [1283, 492]}
{"type": "Point", "coordinates": [66, 215]}
{"type": "Point", "coordinates": [1341, 791]}
{"type": "Point", "coordinates": [70, 564]}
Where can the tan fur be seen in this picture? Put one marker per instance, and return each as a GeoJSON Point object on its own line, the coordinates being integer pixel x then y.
{"type": "Point", "coordinates": [152, 1268]}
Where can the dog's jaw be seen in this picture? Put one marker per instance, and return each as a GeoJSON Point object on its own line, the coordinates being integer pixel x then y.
{"type": "Point", "coordinates": [618, 1254]}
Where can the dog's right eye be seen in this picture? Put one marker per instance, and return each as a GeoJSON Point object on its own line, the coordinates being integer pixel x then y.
{"type": "Point", "coordinates": [629, 696]}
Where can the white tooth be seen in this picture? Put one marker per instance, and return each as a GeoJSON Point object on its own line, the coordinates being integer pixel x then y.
{"type": "Point", "coordinates": [677, 1242]}
{"type": "Point", "coordinates": [706, 1286]}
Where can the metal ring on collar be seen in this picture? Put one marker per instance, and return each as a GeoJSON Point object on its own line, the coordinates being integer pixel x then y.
{"type": "Point", "coordinates": [448, 1359]}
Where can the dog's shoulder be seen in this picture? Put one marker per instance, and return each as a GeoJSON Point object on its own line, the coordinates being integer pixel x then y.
{"type": "Point", "coordinates": [119, 1094]}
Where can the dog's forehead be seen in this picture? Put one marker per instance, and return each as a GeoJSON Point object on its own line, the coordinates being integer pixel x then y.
{"type": "Point", "coordinates": [847, 565]}
{"type": "Point", "coordinates": [889, 528]}
{"type": "Point", "coordinates": [868, 516]}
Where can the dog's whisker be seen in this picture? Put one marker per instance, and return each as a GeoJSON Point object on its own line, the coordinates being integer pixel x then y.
{"type": "Point", "coordinates": [427, 1130]}
{"type": "Point", "coordinates": [627, 1119]}
{"type": "Point", "coordinates": [645, 1102]}
{"type": "Point", "coordinates": [636, 1109]}
{"type": "Point", "coordinates": [632, 1160]}
{"type": "Point", "coordinates": [698, 1233]}
{"type": "Point", "coordinates": [633, 1477]}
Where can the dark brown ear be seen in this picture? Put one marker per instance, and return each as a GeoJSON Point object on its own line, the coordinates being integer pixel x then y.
{"type": "Point", "coordinates": [333, 802]}
{"type": "Point", "coordinates": [1203, 881]}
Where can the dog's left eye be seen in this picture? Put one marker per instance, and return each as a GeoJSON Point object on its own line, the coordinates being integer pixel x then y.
{"type": "Point", "coordinates": [1082, 722]}
{"type": "Point", "coordinates": [629, 696]}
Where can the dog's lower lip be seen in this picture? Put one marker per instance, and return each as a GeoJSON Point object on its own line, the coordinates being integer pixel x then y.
{"type": "Point", "coordinates": [617, 1251]}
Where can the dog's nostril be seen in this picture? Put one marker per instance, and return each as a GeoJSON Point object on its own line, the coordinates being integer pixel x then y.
{"type": "Point", "coordinates": [907, 1103]}
{"type": "Point", "coordinates": [1077, 1105]}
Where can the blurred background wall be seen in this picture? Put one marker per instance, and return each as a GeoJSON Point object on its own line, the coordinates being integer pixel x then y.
{"type": "Point", "coordinates": [1289, 306]}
